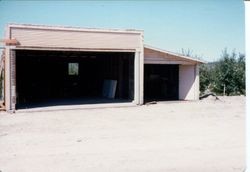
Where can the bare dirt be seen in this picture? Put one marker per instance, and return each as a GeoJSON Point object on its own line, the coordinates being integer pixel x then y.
{"type": "Point", "coordinates": [203, 136]}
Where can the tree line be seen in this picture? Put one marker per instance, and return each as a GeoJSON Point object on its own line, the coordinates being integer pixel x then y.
{"type": "Point", "coordinates": [225, 76]}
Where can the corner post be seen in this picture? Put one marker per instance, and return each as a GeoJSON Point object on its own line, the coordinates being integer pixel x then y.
{"type": "Point", "coordinates": [9, 75]}
{"type": "Point", "coordinates": [7, 96]}
{"type": "Point", "coordinates": [136, 77]}
{"type": "Point", "coordinates": [196, 82]}
{"type": "Point", "coordinates": [139, 74]}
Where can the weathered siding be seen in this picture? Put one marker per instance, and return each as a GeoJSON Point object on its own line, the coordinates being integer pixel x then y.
{"type": "Point", "coordinates": [156, 57]}
{"type": "Point", "coordinates": [10, 79]}
{"type": "Point", "coordinates": [13, 78]}
{"type": "Point", "coordinates": [7, 82]}
{"type": "Point", "coordinates": [30, 37]}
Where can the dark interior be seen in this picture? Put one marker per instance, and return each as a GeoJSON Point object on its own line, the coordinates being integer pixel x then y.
{"type": "Point", "coordinates": [48, 76]}
{"type": "Point", "coordinates": [161, 82]}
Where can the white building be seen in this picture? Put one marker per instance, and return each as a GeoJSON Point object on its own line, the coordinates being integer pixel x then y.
{"type": "Point", "coordinates": [68, 64]}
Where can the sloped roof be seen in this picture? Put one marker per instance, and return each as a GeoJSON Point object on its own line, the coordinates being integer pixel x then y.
{"type": "Point", "coordinates": [174, 54]}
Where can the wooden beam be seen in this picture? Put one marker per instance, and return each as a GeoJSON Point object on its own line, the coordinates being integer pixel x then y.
{"type": "Point", "coordinates": [9, 41]}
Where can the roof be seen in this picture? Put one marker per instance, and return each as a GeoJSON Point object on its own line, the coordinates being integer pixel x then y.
{"type": "Point", "coordinates": [174, 54]}
{"type": "Point", "coordinates": [133, 31]}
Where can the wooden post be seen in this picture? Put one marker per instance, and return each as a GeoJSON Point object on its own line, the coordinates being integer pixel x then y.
{"type": "Point", "coordinates": [9, 41]}
{"type": "Point", "coordinates": [13, 79]}
{"type": "Point", "coordinates": [7, 96]}
{"type": "Point", "coordinates": [224, 90]}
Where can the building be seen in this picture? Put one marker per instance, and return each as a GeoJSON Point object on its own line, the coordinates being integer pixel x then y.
{"type": "Point", "coordinates": [50, 63]}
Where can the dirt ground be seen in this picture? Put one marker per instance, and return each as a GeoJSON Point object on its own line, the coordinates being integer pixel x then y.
{"type": "Point", "coordinates": [203, 136]}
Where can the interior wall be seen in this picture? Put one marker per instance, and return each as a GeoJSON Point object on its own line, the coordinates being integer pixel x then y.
{"type": "Point", "coordinates": [161, 82]}
{"type": "Point", "coordinates": [43, 75]}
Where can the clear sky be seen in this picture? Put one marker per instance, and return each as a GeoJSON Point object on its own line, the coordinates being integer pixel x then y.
{"type": "Point", "coordinates": [204, 26]}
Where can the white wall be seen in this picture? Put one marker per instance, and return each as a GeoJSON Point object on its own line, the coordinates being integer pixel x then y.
{"type": "Point", "coordinates": [38, 36]}
{"type": "Point", "coordinates": [188, 82]}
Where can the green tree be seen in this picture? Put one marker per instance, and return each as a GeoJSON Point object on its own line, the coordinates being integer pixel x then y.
{"type": "Point", "coordinates": [227, 74]}
{"type": "Point", "coordinates": [207, 77]}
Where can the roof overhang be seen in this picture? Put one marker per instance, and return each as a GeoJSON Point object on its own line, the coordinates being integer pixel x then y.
{"type": "Point", "coordinates": [166, 55]}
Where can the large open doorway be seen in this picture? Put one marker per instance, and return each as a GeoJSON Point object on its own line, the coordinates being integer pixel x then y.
{"type": "Point", "coordinates": [45, 78]}
{"type": "Point", "coordinates": [161, 82]}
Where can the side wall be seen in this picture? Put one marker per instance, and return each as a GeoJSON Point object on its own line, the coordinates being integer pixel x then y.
{"type": "Point", "coordinates": [188, 82]}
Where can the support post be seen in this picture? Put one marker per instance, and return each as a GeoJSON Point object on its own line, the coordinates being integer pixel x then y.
{"type": "Point", "coordinates": [7, 95]}
{"type": "Point", "coordinates": [141, 75]}
{"type": "Point", "coordinates": [137, 78]}
{"type": "Point", "coordinates": [13, 80]}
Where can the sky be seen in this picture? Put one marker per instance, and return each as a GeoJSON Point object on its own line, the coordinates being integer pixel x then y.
{"type": "Point", "coordinates": [205, 27]}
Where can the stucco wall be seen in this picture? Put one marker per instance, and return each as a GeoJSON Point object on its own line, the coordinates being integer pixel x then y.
{"type": "Point", "coordinates": [188, 82]}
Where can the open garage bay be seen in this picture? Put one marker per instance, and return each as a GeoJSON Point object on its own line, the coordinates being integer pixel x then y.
{"type": "Point", "coordinates": [48, 78]}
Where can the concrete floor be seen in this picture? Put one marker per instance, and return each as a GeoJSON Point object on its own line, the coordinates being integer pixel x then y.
{"type": "Point", "coordinates": [74, 103]}
{"type": "Point", "coordinates": [205, 136]}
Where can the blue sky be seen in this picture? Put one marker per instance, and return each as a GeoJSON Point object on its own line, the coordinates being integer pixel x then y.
{"type": "Point", "coordinates": [204, 26]}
